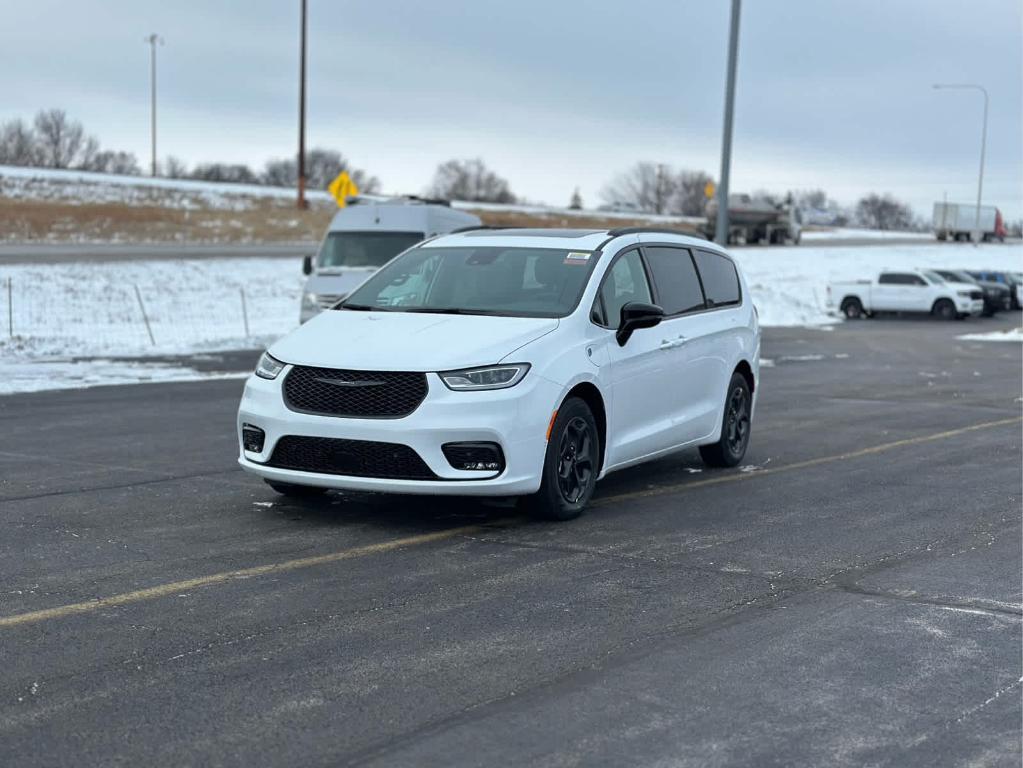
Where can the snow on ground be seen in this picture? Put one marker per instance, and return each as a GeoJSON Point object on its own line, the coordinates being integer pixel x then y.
{"type": "Point", "coordinates": [87, 187]}
{"type": "Point", "coordinates": [82, 310]}
{"type": "Point", "coordinates": [848, 233]}
{"type": "Point", "coordinates": [1013, 334]}
{"type": "Point", "coordinates": [789, 285]}
{"type": "Point", "coordinates": [42, 375]}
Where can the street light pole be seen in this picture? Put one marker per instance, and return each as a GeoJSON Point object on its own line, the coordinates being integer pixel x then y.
{"type": "Point", "coordinates": [983, 146]}
{"type": "Point", "coordinates": [153, 40]}
{"type": "Point", "coordinates": [301, 114]}
{"type": "Point", "coordinates": [721, 231]}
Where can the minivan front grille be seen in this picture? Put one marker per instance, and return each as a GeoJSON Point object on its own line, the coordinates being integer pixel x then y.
{"type": "Point", "coordinates": [354, 458]}
{"type": "Point", "coordinates": [353, 394]}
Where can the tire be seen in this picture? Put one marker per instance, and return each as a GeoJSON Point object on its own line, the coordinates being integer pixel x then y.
{"type": "Point", "coordinates": [570, 466]}
{"type": "Point", "coordinates": [294, 491]}
{"type": "Point", "coordinates": [852, 308]}
{"type": "Point", "coordinates": [736, 424]}
{"type": "Point", "coordinates": [944, 309]}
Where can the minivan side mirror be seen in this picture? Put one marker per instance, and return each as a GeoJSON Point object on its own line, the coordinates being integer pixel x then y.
{"type": "Point", "coordinates": [636, 315]}
{"type": "Point", "coordinates": [307, 264]}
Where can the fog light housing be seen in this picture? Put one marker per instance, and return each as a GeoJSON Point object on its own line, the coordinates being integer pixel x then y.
{"type": "Point", "coordinates": [253, 438]}
{"type": "Point", "coordinates": [474, 457]}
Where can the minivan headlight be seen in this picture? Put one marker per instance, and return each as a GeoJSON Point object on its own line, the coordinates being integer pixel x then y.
{"type": "Point", "coordinates": [964, 294]}
{"type": "Point", "coordinates": [490, 377]}
{"type": "Point", "coordinates": [268, 367]}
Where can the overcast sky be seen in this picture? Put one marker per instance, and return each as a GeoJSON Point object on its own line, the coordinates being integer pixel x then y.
{"type": "Point", "coordinates": [551, 94]}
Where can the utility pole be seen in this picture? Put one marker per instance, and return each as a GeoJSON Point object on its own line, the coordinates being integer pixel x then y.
{"type": "Point", "coordinates": [301, 114]}
{"type": "Point", "coordinates": [721, 231]}
{"type": "Point", "coordinates": [153, 40]}
{"type": "Point", "coordinates": [983, 146]}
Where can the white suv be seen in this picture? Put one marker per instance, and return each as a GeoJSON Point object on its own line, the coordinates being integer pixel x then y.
{"type": "Point", "coordinates": [511, 363]}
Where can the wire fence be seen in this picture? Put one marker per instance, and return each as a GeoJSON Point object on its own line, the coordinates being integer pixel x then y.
{"type": "Point", "coordinates": [66, 312]}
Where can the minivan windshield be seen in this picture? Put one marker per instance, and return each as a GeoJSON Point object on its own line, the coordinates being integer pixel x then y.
{"type": "Point", "coordinates": [363, 249]}
{"type": "Point", "coordinates": [490, 280]}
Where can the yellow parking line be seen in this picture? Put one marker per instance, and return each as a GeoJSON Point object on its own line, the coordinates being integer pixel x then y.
{"type": "Point", "coordinates": [732, 478]}
{"type": "Point", "coordinates": [163, 590]}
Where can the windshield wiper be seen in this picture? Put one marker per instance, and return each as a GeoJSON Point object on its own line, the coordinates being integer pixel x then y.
{"type": "Point", "coordinates": [448, 311]}
{"type": "Point", "coordinates": [358, 307]}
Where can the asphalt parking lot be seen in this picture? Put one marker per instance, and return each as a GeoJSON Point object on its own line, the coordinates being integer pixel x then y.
{"type": "Point", "coordinates": [850, 596]}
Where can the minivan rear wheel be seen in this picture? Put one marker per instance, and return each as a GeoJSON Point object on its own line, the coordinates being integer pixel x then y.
{"type": "Point", "coordinates": [731, 446]}
{"type": "Point", "coordinates": [571, 464]}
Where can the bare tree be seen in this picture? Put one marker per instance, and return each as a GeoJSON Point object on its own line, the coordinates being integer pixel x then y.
{"type": "Point", "coordinates": [322, 167]}
{"type": "Point", "coordinates": [576, 203]}
{"type": "Point", "coordinates": [175, 168]}
{"type": "Point", "coordinates": [109, 161]}
{"type": "Point", "coordinates": [647, 187]}
{"type": "Point", "coordinates": [17, 144]}
{"type": "Point", "coordinates": [61, 142]}
{"type": "Point", "coordinates": [469, 180]}
{"type": "Point", "coordinates": [235, 173]}
{"type": "Point", "coordinates": [815, 199]}
{"type": "Point", "coordinates": [883, 212]}
{"type": "Point", "coordinates": [691, 193]}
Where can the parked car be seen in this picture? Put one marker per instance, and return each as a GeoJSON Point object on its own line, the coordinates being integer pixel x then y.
{"type": "Point", "coordinates": [997, 296]}
{"type": "Point", "coordinates": [917, 290]}
{"type": "Point", "coordinates": [1012, 280]}
{"type": "Point", "coordinates": [365, 235]}
{"type": "Point", "coordinates": [523, 363]}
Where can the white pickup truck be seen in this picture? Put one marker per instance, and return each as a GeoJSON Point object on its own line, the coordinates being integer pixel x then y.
{"type": "Point", "coordinates": [911, 290]}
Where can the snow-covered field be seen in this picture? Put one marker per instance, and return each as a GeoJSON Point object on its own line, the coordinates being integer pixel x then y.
{"type": "Point", "coordinates": [848, 233]}
{"type": "Point", "coordinates": [60, 313]}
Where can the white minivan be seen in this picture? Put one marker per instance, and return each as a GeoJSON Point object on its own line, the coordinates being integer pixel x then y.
{"type": "Point", "coordinates": [523, 363]}
{"type": "Point", "coordinates": [365, 235]}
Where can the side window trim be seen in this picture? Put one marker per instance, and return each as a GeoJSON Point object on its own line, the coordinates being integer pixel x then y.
{"type": "Point", "coordinates": [655, 291]}
{"type": "Point", "coordinates": [711, 305]}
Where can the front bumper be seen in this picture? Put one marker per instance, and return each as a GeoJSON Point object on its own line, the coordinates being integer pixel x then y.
{"type": "Point", "coordinates": [516, 418]}
{"type": "Point", "coordinates": [970, 306]}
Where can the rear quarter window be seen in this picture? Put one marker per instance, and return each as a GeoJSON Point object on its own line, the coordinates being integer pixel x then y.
{"type": "Point", "coordinates": [720, 280]}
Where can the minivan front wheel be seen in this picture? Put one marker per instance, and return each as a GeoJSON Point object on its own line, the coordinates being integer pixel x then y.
{"type": "Point", "coordinates": [571, 464]}
{"type": "Point", "coordinates": [731, 446]}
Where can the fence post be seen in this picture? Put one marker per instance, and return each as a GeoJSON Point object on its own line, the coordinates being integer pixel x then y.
{"type": "Point", "coordinates": [10, 308]}
{"type": "Point", "coordinates": [138, 295]}
{"type": "Point", "coordinates": [245, 312]}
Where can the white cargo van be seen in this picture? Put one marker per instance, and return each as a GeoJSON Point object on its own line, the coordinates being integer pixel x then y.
{"type": "Point", "coordinates": [365, 235]}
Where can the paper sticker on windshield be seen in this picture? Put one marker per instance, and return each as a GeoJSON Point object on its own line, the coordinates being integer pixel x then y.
{"type": "Point", "coordinates": [577, 257]}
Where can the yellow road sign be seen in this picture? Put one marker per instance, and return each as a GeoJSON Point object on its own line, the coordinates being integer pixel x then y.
{"type": "Point", "coordinates": [709, 190]}
{"type": "Point", "coordinates": [342, 188]}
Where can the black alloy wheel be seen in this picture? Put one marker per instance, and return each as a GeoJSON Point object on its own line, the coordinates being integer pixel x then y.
{"type": "Point", "coordinates": [736, 426]}
{"type": "Point", "coordinates": [571, 464]}
{"type": "Point", "coordinates": [737, 421]}
{"type": "Point", "coordinates": [576, 459]}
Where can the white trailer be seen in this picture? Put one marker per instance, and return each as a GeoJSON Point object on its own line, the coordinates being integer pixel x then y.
{"type": "Point", "coordinates": [958, 221]}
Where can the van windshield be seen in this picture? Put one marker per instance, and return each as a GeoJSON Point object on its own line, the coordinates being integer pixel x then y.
{"type": "Point", "coordinates": [363, 249]}
{"type": "Point", "coordinates": [490, 280]}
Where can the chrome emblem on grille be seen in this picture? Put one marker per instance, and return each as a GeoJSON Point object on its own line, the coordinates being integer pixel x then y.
{"type": "Point", "coordinates": [344, 383]}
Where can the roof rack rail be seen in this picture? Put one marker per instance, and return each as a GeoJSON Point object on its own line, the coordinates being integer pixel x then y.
{"type": "Point", "coordinates": [655, 230]}
{"type": "Point", "coordinates": [472, 228]}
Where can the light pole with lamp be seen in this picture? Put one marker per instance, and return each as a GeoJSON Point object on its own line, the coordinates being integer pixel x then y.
{"type": "Point", "coordinates": [983, 146]}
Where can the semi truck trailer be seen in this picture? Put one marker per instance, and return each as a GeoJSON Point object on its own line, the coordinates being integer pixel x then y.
{"type": "Point", "coordinates": [958, 221]}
